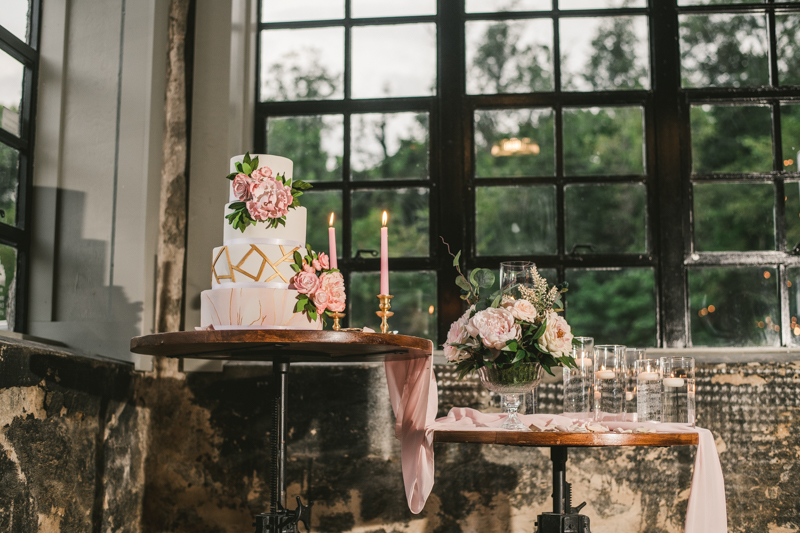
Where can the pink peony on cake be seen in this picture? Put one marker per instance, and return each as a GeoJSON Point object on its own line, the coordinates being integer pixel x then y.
{"type": "Point", "coordinates": [263, 249]}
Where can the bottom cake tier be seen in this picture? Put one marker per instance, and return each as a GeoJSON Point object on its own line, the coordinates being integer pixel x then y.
{"type": "Point", "coordinates": [253, 308]}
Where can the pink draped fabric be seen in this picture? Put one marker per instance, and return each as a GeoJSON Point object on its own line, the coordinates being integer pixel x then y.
{"type": "Point", "coordinates": [412, 388]}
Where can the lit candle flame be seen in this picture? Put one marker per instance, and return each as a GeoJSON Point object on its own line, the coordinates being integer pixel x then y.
{"type": "Point", "coordinates": [331, 220]}
{"type": "Point", "coordinates": [385, 218]}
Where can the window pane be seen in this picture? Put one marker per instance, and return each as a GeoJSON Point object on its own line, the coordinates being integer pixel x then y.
{"type": "Point", "coordinates": [606, 219]}
{"type": "Point", "coordinates": [514, 142]}
{"type": "Point", "coordinates": [515, 220]}
{"type": "Point", "coordinates": [603, 141]}
{"type": "Point", "coordinates": [314, 143]}
{"type": "Point", "coordinates": [394, 60]}
{"type": "Point", "coordinates": [706, 2]}
{"type": "Point", "coordinates": [389, 146]}
{"type": "Point", "coordinates": [724, 50]}
{"type": "Point", "coordinates": [792, 190]}
{"type": "Point", "coordinates": [14, 17]}
{"type": "Point", "coordinates": [9, 184]}
{"type": "Point", "coordinates": [793, 282]}
{"type": "Point", "coordinates": [491, 6]}
{"type": "Point", "coordinates": [302, 64]}
{"type": "Point", "coordinates": [734, 306]}
{"type": "Point", "coordinates": [282, 11]}
{"type": "Point", "coordinates": [733, 216]}
{"type": "Point", "coordinates": [790, 137]}
{"type": "Point", "coordinates": [382, 8]}
{"type": "Point", "coordinates": [408, 221]}
{"type": "Point", "coordinates": [787, 29]}
{"type": "Point", "coordinates": [509, 56]}
{"type": "Point", "coordinates": [731, 139]}
{"type": "Point", "coordinates": [414, 302]}
{"type": "Point", "coordinates": [8, 271]}
{"type": "Point", "coordinates": [11, 74]}
{"type": "Point", "coordinates": [319, 206]}
{"type": "Point", "coordinates": [615, 306]}
{"type": "Point", "coordinates": [599, 4]}
{"type": "Point", "coordinates": [604, 53]}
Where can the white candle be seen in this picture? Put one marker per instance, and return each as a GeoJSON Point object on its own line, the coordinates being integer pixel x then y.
{"type": "Point", "coordinates": [332, 245]}
{"type": "Point", "coordinates": [648, 376]}
{"type": "Point", "coordinates": [673, 382]}
{"type": "Point", "coordinates": [385, 256]}
{"type": "Point", "coordinates": [584, 361]}
{"type": "Point", "coordinates": [604, 374]}
{"type": "Point", "coordinates": [628, 396]}
{"type": "Point", "coordinates": [597, 395]}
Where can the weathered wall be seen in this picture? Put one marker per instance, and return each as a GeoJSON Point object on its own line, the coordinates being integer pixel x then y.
{"type": "Point", "coordinates": [73, 435]}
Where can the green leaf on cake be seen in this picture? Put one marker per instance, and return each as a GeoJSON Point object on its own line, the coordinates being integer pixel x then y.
{"type": "Point", "coordinates": [295, 267]}
{"type": "Point", "coordinates": [231, 175]}
{"type": "Point", "coordinates": [254, 163]}
{"type": "Point", "coordinates": [298, 259]}
{"type": "Point", "coordinates": [302, 185]}
{"type": "Point", "coordinates": [310, 251]}
{"type": "Point", "coordinates": [239, 167]}
{"type": "Point", "coordinates": [247, 157]}
{"type": "Point", "coordinates": [302, 299]}
{"type": "Point", "coordinates": [236, 206]}
{"type": "Point", "coordinates": [246, 168]}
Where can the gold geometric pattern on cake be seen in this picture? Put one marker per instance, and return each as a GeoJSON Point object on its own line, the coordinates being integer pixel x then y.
{"type": "Point", "coordinates": [288, 257]}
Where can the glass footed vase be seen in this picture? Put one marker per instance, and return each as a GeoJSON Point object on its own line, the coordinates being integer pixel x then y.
{"type": "Point", "coordinates": [511, 382]}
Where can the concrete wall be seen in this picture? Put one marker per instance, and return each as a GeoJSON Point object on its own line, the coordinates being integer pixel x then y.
{"type": "Point", "coordinates": [90, 446]}
{"type": "Point", "coordinates": [96, 170]}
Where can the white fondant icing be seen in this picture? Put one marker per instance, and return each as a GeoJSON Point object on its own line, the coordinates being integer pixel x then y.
{"type": "Point", "coordinates": [278, 164]}
{"type": "Point", "coordinates": [248, 259]}
{"type": "Point", "coordinates": [256, 308]}
{"type": "Point", "coordinates": [294, 230]}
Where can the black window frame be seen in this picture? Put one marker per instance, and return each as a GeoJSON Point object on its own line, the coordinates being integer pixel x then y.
{"type": "Point", "coordinates": [667, 161]}
{"type": "Point", "coordinates": [19, 236]}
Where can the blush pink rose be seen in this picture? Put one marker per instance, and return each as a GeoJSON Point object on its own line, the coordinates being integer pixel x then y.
{"type": "Point", "coordinates": [557, 337]}
{"type": "Point", "coordinates": [306, 282]}
{"type": "Point", "coordinates": [323, 260]}
{"type": "Point", "coordinates": [332, 283]}
{"type": "Point", "coordinates": [315, 263]}
{"type": "Point", "coordinates": [321, 300]}
{"type": "Point", "coordinates": [261, 173]}
{"type": "Point", "coordinates": [308, 268]}
{"type": "Point", "coordinates": [495, 326]}
{"type": "Point", "coordinates": [241, 187]}
{"type": "Point", "coordinates": [458, 335]}
{"type": "Point", "coordinates": [522, 310]}
{"type": "Point", "coordinates": [272, 202]}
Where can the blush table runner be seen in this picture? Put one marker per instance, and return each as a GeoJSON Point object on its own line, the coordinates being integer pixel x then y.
{"type": "Point", "coordinates": [414, 398]}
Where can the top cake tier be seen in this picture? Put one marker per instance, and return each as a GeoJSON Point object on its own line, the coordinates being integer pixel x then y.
{"type": "Point", "coordinates": [278, 164]}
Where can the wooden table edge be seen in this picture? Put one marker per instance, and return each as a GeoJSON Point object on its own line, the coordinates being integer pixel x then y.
{"type": "Point", "coordinates": [542, 439]}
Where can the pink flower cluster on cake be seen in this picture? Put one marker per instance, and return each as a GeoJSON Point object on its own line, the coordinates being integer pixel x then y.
{"type": "Point", "coordinates": [321, 289]}
{"type": "Point", "coordinates": [266, 197]}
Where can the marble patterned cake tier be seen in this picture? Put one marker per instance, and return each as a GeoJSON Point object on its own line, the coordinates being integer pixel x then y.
{"type": "Point", "coordinates": [253, 265]}
{"type": "Point", "coordinates": [253, 309]}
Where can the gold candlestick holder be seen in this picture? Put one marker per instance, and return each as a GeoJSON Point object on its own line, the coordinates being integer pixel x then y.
{"type": "Point", "coordinates": [384, 313]}
{"type": "Point", "coordinates": [336, 316]}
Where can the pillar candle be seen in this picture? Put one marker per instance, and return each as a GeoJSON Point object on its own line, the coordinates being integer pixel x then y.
{"type": "Point", "coordinates": [384, 256]}
{"type": "Point", "coordinates": [332, 245]}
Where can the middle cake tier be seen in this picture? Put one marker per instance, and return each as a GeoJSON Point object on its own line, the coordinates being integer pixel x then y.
{"type": "Point", "coordinates": [253, 265]}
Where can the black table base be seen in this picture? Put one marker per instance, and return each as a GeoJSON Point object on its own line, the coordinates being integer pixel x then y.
{"type": "Point", "coordinates": [279, 519]}
{"type": "Point", "coordinates": [564, 518]}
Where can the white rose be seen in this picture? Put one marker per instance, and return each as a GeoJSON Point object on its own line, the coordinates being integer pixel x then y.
{"type": "Point", "coordinates": [495, 326]}
{"type": "Point", "coordinates": [557, 337]}
{"type": "Point", "coordinates": [522, 310]}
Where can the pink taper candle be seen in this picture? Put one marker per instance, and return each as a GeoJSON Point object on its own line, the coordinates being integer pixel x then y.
{"type": "Point", "coordinates": [385, 256]}
{"type": "Point", "coordinates": [332, 245]}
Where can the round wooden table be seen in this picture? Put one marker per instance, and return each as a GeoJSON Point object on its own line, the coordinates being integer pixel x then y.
{"type": "Point", "coordinates": [565, 518]}
{"type": "Point", "coordinates": [283, 347]}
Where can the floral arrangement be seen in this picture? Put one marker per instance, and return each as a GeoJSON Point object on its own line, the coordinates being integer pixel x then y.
{"type": "Point", "coordinates": [320, 288]}
{"type": "Point", "coordinates": [519, 324]}
{"type": "Point", "coordinates": [262, 196]}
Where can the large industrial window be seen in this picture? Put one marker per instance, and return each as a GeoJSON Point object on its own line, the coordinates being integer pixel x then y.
{"type": "Point", "coordinates": [645, 153]}
{"type": "Point", "coordinates": [19, 22]}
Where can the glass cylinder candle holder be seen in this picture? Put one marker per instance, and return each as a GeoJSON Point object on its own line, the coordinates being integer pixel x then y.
{"type": "Point", "coordinates": [609, 382]}
{"type": "Point", "coordinates": [579, 382]}
{"type": "Point", "coordinates": [647, 395]}
{"type": "Point", "coordinates": [631, 356]}
{"type": "Point", "coordinates": [678, 390]}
